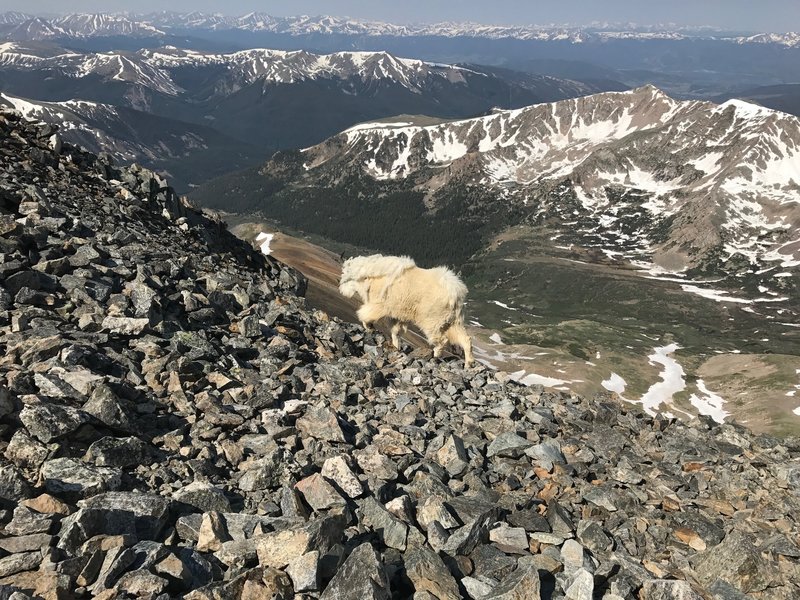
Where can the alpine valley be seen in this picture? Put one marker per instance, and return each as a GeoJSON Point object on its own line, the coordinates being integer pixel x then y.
{"type": "Point", "coordinates": [606, 239]}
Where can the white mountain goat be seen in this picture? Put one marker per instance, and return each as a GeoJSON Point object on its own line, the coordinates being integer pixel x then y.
{"type": "Point", "coordinates": [396, 288]}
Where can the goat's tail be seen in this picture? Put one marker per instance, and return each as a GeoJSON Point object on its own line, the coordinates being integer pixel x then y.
{"type": "Point", "coordinates": [454, 289]}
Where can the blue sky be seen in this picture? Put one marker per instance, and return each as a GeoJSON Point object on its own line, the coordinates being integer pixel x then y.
{"type": "Point", "coordinates": [751, 15]}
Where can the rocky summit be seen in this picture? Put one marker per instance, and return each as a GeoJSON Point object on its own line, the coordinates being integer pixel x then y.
{"type": "Point", "coordinates": [175, 422]}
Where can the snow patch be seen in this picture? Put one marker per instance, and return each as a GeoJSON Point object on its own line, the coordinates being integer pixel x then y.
{"type": "Point", "coordinates": [502, 305]}
{"type": "Point", "coordinates": [709, 403]}
{"type": "Point", "coordinates": [717, 295]}
{"type": "Point", "coordinates": [265, 239]}
{"type": "Point", "coordinates": [615, 383]}
{"type": "Point", "coordinates": [533, 379]}
{"type": "Point", "coordinates": [672, 379]}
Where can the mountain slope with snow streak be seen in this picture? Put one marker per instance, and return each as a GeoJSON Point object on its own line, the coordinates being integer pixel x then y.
{"type": "Point", "coordinates": [104, 24]}
{"type": "Point", "coordinates": [151, 68]}
{"type": "Point", "coordinates": [280, 66]}
{"type": "Point", "coordinates": [126, 67]}
{"type": "Point", "coordinates": [167, 145]}
{"type": "Point", "coordinates": [710, 179]}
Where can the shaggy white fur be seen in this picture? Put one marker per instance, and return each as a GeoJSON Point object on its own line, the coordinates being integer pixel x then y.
{"type": "Point", "coordinates": [395, 288]}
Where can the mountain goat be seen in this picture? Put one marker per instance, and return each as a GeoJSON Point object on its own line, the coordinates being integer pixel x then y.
{"type": "Point", "coordinates": [396, 288]}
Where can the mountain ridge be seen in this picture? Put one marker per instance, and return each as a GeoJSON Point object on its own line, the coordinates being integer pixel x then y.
{"type": "Point", "coordinates": [607, 140]}
{"type": "Point", "coordinates": [147, 25]}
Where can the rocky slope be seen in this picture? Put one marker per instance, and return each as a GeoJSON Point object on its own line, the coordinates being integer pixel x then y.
{"type": "Point", "coordinates": [175, 423]}
{"type": "Point", "coordinates": [187, 153]}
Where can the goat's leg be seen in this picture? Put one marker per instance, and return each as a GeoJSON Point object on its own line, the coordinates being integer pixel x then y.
{"type": "Point", "coordinates": [368, 314]}
{"type": "Point", "coordinates": [458, 336]}
{"type": "Point", "coordinates": [438, 341]}
{"type": "Point", "coordinates": [398, 327]}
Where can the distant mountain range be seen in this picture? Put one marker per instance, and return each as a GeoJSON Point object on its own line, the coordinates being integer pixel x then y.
{"type": "Point", "coordinates": [675, 186]}
{"type": "Point", "coordinates": [687, 62]}
{"type": "Point", "coordinates": [262, 99]}
{"type": "Point", "coordinates": [20, 26]}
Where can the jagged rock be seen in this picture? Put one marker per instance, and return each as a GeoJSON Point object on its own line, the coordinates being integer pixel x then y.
{"type": "Point", "coordinates": [125, 325]}
{"type": "Point", "coordinates": [736, 561]}
{"type": "Point", "coordinates": [475, 588]}
{"type": "Point", "coordinates": [318, 493]}
{"type": "Point", "coordinates": [377, 464]}
{"type": "Point", "coordinates": [261, 583]}
{"type": "Point", "coordinates": [47, 422]}
{"type": "Point", "coordinates": [42, 585]}
{"type": "Point", "coordinates": [6, 404]}
{"type": "Point", "coordinates": [392, 531]}
{"type": "Point", "coordinates": [26, 543]}
{"type": "Point", "coordinates": [13, 486]}
{"type": "Point", "coordinates": [15, 563]}
{"type": "Point", "coordinates": [115, 513]}
{"type": "Point", "coordinates": [453, 456]}
{"type": "Point", "coordinates": [263, 473]}
{"type": "Point", "coordinates": [582, 586]}
{"type": "Point", "coordinates": [428, 573]}
{"type": "Point", "coordinates": [529, 520]}
{"type": "Point", "coordinates": [546, 454]}
{"type": "Point", "coordinates": [722, 590]}
{"type": "Point", "coordinates": [464, 539]}
{"type": "Point", "coordinates": [361, 577]}
{"type": "Point", "coordinates": [141, 583]}
{"type": "Point", "coordinates": [25, 452]}
{"type": "Point", "coordinates": [70, 476]}
{"type": "Point", "coordinates": [212, 533]}
{"type": "Point", "coordinates": [105, 406]}
{"type": "Point", "coordinates": [203, 496]}
{"type": "Point", "coordinates": [509, 445]}
{"type": "Point", "coordinates": [304, 572]}
{"type": "Point", "coordinates": [174, 568]}
{"type": "Point", "coordinates": [26, 521]}
{"type": "Point", "coordinates": [667, 589]}
{"type": "Point", "coordinates": [279, 548]}
{"type": "Point", "coordinates": [437, 536]}
{"type": "Point", "coordinates": [572, 555]}
{"type": "Point", "coordinates": [592, 536]}
{"type": "Point", "coordinates": [510, 539]}
{"type": "Point", "coordinates": [337, 470]}
{"type": "Point", "coordinates": [559, 519]}
{"type": "Point", "coordinates": [291, 504]}
{"type": "Point", "coordinates": [47, 505]}
{"type": "Point", "coordinates": [321, 424]}
{"type": "Point", "coordinates": [522, 583]}
{"type": "Point", "coordinates": [117, 452]}
{"type": "Point", "coordinates": [402, 508]}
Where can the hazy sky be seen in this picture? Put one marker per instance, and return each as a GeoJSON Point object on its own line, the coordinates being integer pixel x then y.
{"type": "Point", "coordinates": [752, 15]}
